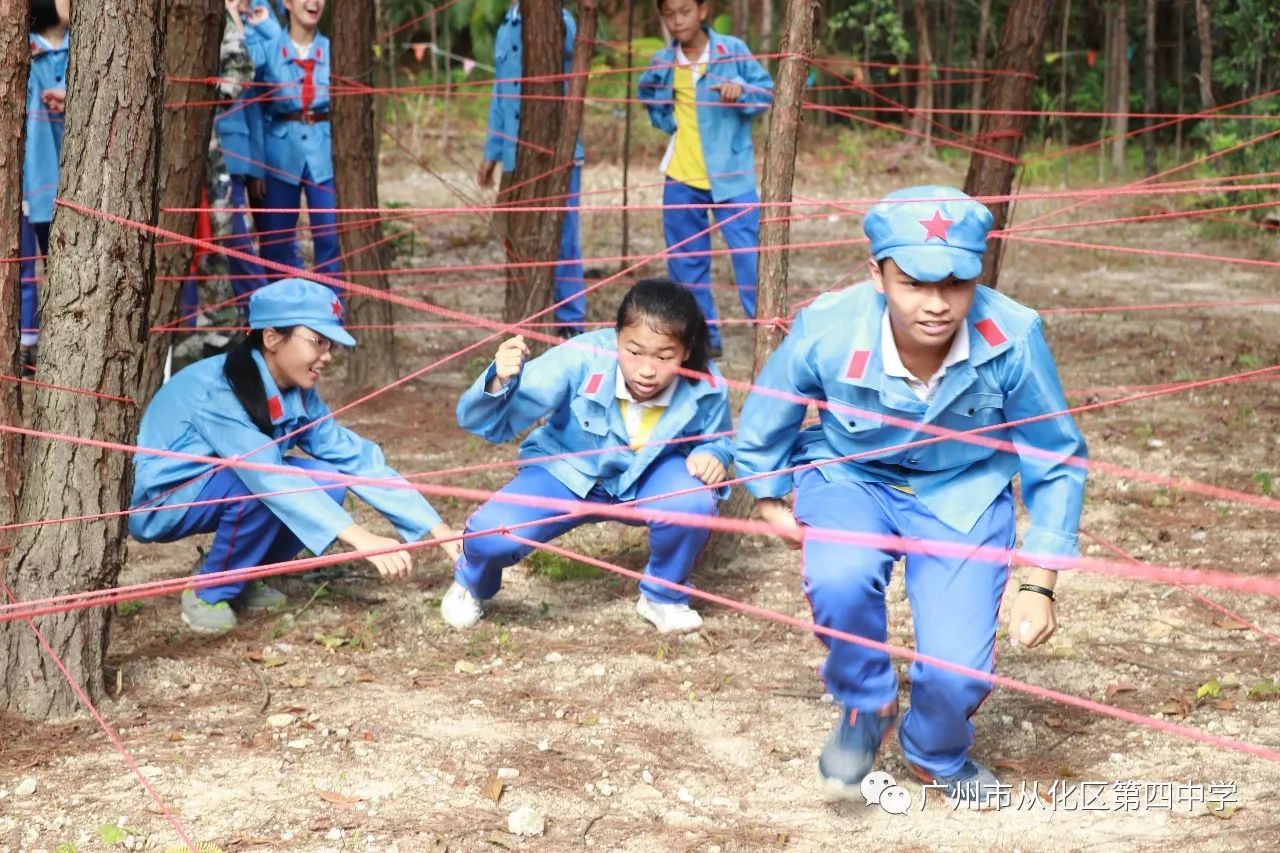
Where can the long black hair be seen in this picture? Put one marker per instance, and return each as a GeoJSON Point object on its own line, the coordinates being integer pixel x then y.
{"type": "Point", "coordinates": [246, 380]}
{"type": "Point", "coordinates": [44, 14]}
{"type": "Point", "coordinates": [669, 309]}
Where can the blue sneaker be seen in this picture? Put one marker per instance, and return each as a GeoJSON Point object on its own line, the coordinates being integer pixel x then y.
{"type": "Point", "coordinates": [851, 749]}
{"type": "Point", "coordinates": [974, 786]}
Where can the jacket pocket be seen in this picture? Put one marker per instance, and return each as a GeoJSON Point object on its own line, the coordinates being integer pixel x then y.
{"type": "Point", "coordinates": [590, 416]}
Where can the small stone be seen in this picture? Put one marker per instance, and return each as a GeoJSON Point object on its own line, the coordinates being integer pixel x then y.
{"type": "Point", "coordinates": [1155, 443]}
{"type": "Point", "coordinates": [647, 776]}
{"type": "Point", "coordinates": [644, 793]}
{"type": "Point", "coordinates": [604, 789]}
{"type": "Point", "coordinates": [543, 745]}
{"type": "Point", "coordinates": [279, 721]}
{"type": "Point", "coordinates": [1006, 720]}
{"type": "Point", "coordinates": [684, 796]}
{"type": "Point", "coordinates": [1199, 536]}
{"type": "Point", "coordinates": [25, 788]}
{"type": "Point", "coordinates": [300, 743]}
{"type": "Point", "coordinates": [526, 821]}
{"type": "Point", "coordinates": [553, 657]}
{"type": "Point", "coordinates": [508, 773]}
{"type": "Point", "coordinates": [598, 670]}
{"type": "Point", "coordinates": [1027, 727]}
{"type": "Point", "coordinates": [465, 667]}
{"type": "Point", "coordinates": [334, 834]}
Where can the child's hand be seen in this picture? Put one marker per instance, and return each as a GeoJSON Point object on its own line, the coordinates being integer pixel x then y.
{"type": "Point", "coordinates": [508, 361]}
{"type": "Point", "coordinates": [393, 564]}
{"type": "Point", "coordinates": [55, 100]}
{"type": "Point", "coordinates": [258, 14]}
{"type": "Point", "coordinates": [705, 467]}
{"type": "Point", "coordinates": [1032, 620]}
{"type": "Point", "coordinates": [452, 548]}
{"type": "Point", "coordinates": [484, 177]}
{"type": "Point", "coordinates": [779, 516]}
{"type": "Point", "coordinates": [729, 92]}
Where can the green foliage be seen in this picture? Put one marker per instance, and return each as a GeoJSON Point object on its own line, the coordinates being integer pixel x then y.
{"type": "Point", "coordinates": [559, 568]}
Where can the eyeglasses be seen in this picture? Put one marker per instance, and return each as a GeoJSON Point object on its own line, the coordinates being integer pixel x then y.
{"type": "Point", "coordinates": [322, 345]}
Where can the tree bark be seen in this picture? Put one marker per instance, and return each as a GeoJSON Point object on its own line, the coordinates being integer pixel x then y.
{"type": "Point", "coordinates": [192, 33]}
{"type": "Point", "coordinates": [1021, 50]}
{"type": "Point", "coordinates": [1149, 93]}
{"type": "Point", "coordinates": [549, 121]}
{"type": "Point", "coordinates": [95, 321]}
{"type": "Point", "coordinates": [1120, 107]}
{"type": "Point", "coordinates": [920, 118]}
{"type": "Point", "coordinates": [355, 169]}
{"type": "Point", "coordinates": [979, 64]}
{"type": "Point", "coordinates": [14, 56]}
{"type": "Point", "coordinates": [776, 184]}
{"type": "Point", "coordinates": [1204, 34]}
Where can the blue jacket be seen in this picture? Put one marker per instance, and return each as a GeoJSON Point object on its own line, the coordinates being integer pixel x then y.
{"type": "Point", "coordinates": [504, 105]}
{"type": "Point", "coordinates": [833, 354]}
{"type": "Point", "coordinates": [196, 412]}
{"type": "Point", "coordinates": [290, 145]}
{"type": "Point", "coordinates": [573, 388]}
{"type": "Point", "coordinates": [44, 129]}
{"type": "Point", "coordinates": [725, 130]}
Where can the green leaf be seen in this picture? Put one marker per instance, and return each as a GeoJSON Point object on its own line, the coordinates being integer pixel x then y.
{"type": "Point", "coordinates": [1210, 688]}
{"type": "Point", "coordinates": [113, 834]}
{"type": "Point", "coordinates": [65, 847]}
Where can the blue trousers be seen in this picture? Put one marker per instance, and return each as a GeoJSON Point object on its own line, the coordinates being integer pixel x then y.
{"type": "Point", "coordinates": [954, 605]}
{"type": "Point", "coordinates": [279, 242]}
{"type": "Point", "coordinates": [246, 276]}
{"type": "Point", "coordinates": [570, 279]}
{"type": "Point", "coordinates": [673, 549]}
{"type": "Point", "coordinates": [31, 235]}
{"type": "Point", "coordinates": [246, 532]}
{"type": "Point", "coordinates": [690, 265]}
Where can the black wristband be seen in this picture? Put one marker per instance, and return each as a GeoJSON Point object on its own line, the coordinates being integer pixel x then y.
{"type": "Point", "coordinates": [1030, 587]}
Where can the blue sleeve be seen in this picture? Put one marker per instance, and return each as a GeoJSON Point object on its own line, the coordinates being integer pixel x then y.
{"type": "Point", "coordinates": [757, 86]}
{"type": "Point", "coordinates": [1052, 487]}
{"type": "Point", "coordinates": [257, 140]}
{"type": "Point", "coordinates": [406, 509]}
{"type": "Point", "coordinates": [657, 97]}
{"type": "Point", "coordinates": [717, 419]}
{"type": "Point", "coordinates": [258, 38]}
{"type": "Point", "coordinates": [312, 516]}
{"type": "Point", "coordinates": [768, 425]}
{"type": "Point", "coordinates": [543, 386]}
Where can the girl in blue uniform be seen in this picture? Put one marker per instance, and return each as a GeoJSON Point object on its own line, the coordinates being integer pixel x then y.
{"type": "Point", "coordinates": [293, 72]}
{"type": "Point", "coordinates": [921, 343]}
{"type": "Point", "coordinates": [704, 89]}
{"type": "Point", "coordinates": [616, 391]}
{"type": "Point", "coordinates": [46, 99]}
{"type": "Point", "coordinates": [234, 405]}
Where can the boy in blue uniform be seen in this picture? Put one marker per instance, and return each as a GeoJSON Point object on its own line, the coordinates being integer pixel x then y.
{"type": "Point", "coordinates": [501, 149]}
{"type": "Point", "coordinates": [46, 100]}
{"type": "Point", "coordinates": [704, 89]}
{"type": "Point", "coordinates": [233, 406]}
{"type": "Point", "coordinates": [923, 343]}
{"type": "Point", "coordinates": [613, 406]}
{"type": "Point", "coordinates": [294, 64]}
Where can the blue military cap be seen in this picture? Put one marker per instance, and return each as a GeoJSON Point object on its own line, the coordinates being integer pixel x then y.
{"type": "Point", "coordinates": [298, 302]}
{"type": "Point", "coordinates": [931, 232]}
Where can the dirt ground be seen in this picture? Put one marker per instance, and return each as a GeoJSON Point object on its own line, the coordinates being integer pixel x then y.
{"type": "Point", "coordinates": [358, 721]}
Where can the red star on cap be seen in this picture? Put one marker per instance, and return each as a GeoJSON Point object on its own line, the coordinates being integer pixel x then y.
{"type": "Point", "coordinates": [336, 307]}
{"type": "Point", "coordinates": [936, 227]}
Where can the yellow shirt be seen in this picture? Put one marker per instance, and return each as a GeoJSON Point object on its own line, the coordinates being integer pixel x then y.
{"type": "Point", "coordinates": [644, 424]}
{"type": "Point", "coordinates": [687, 165]}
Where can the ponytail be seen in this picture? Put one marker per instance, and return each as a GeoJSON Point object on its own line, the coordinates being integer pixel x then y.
{"type": "Point", "coordinates": [245, 379]}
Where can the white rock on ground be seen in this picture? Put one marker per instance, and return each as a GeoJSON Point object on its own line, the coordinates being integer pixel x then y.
{"type": "Point", "coordinates": [526, 821]}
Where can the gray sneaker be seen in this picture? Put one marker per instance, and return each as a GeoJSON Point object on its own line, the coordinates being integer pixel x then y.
{"type": "Point", "coordinates": [205, 618]}
{"type": "Point", "coordinates": [258, 596]}
{"type": "Point", "coordinates": [974, 786]}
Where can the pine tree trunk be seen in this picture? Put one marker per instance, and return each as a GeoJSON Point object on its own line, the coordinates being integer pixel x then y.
{"type": "Point", "coordinates": [1204, 34]}
{"type": "Point", "coordinates": [548, 122]}
{"type": "Point", "coordinates": [1149, 93]}
{"type": "Point", "coordinates": [14, 55]}
{"type": "Point", "coordinates": [192, 33]}
{"type": "Point", "coordinates": [355, 169]}
{"type": "Point", "coordinates": [979, 65]}
{"type": "Point", "coordinates": [1120, 106]}
{"type": "Point", "coordinates": [94, 326]}
{"type": "Point", "coordinates": [1021, 50]}
{"type": "Point", "coordinates": [776, 184]}
{"type": "Point", "coordinates": [923, 113]}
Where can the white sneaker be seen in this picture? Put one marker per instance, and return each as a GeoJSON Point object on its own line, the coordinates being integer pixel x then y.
{"type": "Point", "coordinates": [669, 618]}
{"type": "Point", "coordinates": [459, 608]}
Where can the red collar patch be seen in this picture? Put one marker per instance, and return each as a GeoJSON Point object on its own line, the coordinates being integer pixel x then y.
{"type": "Point", "coordinates": [990, 332]}
{"type": "Point", "coordinates": [274, 408]}
{"type": "Point", "coordinates": [857, 366]}
{"type": "Point", "coordinates": [593, 383]}
{"type": "Point", "coordinates": [720, 49]}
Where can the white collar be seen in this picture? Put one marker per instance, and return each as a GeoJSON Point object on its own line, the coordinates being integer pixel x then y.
{"type": "Point", "coordinates": [662, 398]}
{"type": "Point", "coordinates": [892, 361]}
{"type": "Point", "coordinates": [702, 60]}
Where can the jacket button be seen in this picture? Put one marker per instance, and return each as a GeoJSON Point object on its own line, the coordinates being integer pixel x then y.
{"type": "Point", "coordinates": [912, 461]}
{"type": "Point", "coordinates": [852, 424]}
{"type": "Point", "coordinates": [971, 411]}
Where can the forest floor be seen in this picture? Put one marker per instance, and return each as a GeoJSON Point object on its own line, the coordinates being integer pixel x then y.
{"type": "Point", "coordinates": [357, 720]}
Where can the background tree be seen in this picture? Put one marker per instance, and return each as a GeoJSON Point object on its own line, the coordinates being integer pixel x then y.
{"type": "Point", "coordinates": [193, 32]}
{"type": "Point", "coordinates": [355, 169]}
{"type": "Point", "coordinates": [94, 324]}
